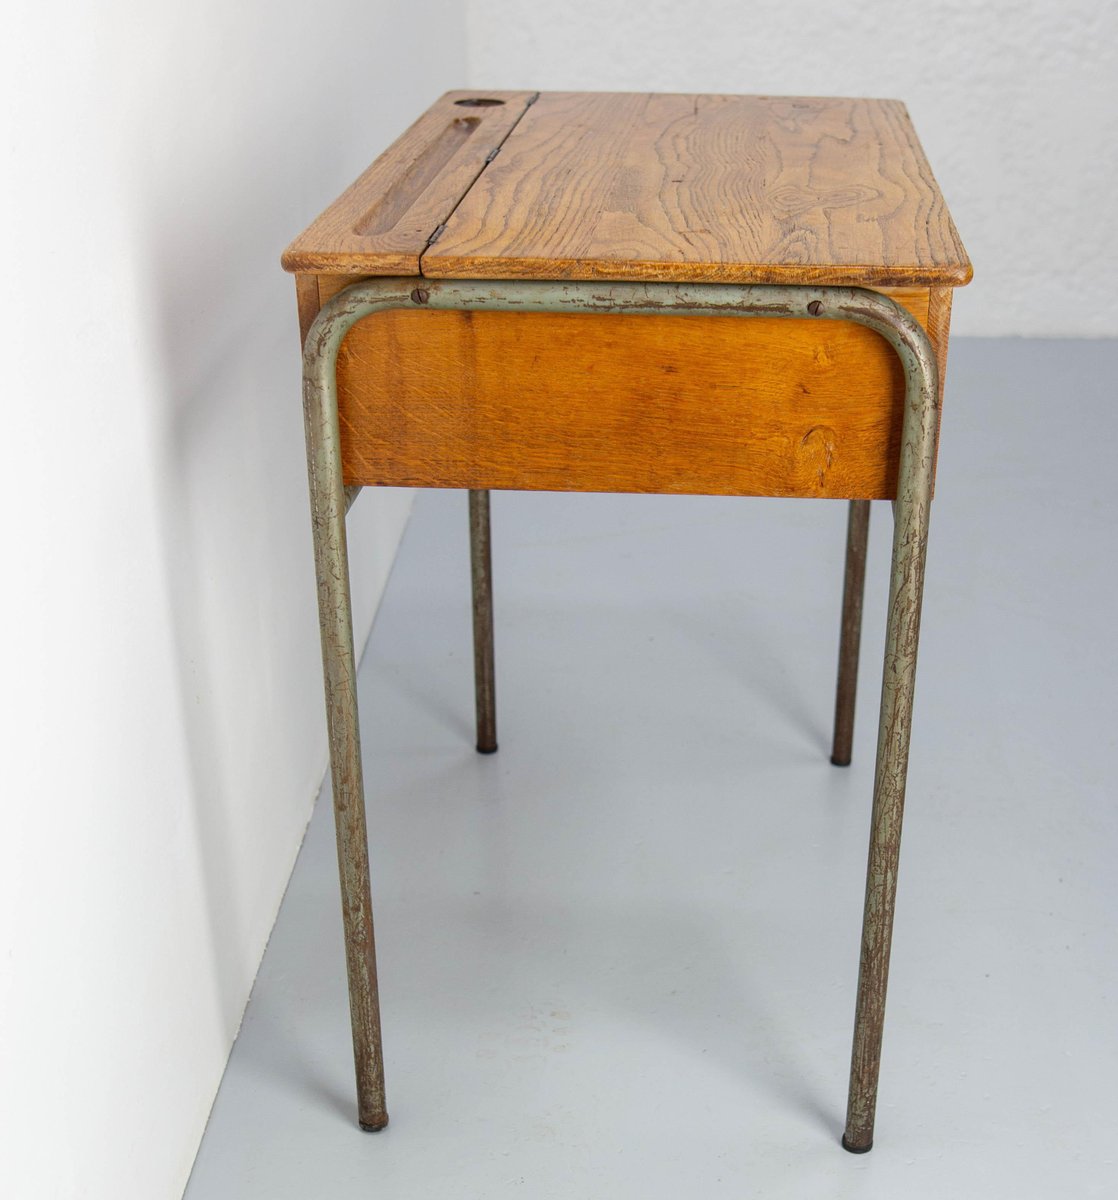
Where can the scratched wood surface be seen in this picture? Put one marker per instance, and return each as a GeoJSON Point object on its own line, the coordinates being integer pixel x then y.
{"type": "Point", "coordinates": [692, 188]}
{"type": "Point", "coordinates": [381, 223]}
{"type": "Point", "coordinates": [670, 187]}
{"type": "Point", "coordinates": [576, 402]}
{"type": "Point", "coordinates": [685, 188]}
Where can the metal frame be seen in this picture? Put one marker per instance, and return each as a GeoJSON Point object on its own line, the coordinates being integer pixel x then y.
{"type": "Point", "coordinates": [850, 636]}
{"type": "Point", "coordinates": [330, 500]}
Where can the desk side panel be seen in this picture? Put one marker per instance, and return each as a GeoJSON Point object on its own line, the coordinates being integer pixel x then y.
{"type": "Point", "coordinates": [625, 403]}
{"type": "Point", "coordinates": [309, 302]}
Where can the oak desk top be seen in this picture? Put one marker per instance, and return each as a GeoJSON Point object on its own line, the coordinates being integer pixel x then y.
{"type": "Point", "coordinates": [679, 188]}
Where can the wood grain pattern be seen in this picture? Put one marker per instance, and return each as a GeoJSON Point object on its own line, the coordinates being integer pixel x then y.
{"type": "Point", "coordinates": [577, 402]}
{"type": "Point", "coordinates": [381, 224]}
{"type": "Point", "coordinates": [693, 188]}
{"type": "Point", "coordinates": [675, 188]}
{"type": "Point", "coordinates": [938, 327]}
{"type": "Point", "coordinates": [309, 301]}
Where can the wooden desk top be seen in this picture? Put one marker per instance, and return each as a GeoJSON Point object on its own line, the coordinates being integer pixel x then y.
{"type": "Point", "coordinates": [681, 188]}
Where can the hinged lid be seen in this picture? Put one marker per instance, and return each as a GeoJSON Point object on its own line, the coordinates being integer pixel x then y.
{"type": "Point", "coordinates": [684, 188]}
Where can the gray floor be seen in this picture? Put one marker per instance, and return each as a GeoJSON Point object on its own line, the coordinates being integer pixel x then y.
{"type": "Point", "coordinates": [618, 958]}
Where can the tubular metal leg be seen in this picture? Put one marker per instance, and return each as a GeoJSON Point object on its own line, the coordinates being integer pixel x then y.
{"type": "Point", "coordinates": [850, 638]}
{"type": "Point", "coordinates": [328, 507]}
{"type": "Point", "coordinates": [906, 590]}
{"type": "Point", "coordinates": [481, 567]}
{"type": "Point", "coordinates": [910, 514]}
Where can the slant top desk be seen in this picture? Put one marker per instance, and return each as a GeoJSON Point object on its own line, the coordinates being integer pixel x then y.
{"type": "Point", "coordinates": [739, 295]}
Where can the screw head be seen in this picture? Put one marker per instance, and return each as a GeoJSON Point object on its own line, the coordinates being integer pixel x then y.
{"type": "Point", "coordinates": [420, 295]}
{"type": "Point", "coordinates": [815, 307]}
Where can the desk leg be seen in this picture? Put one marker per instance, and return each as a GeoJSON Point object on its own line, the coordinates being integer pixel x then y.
{"type": "Point", "coordinates": [910, 540]}
{"type": "Point", "coordinates": [914, 487]}
{"type": "Point", "coordinates": [481, 569]}
{"type": "Point", "coordinates": [328, 507]}
{"type": "Point", "coordinates": [850, 638]}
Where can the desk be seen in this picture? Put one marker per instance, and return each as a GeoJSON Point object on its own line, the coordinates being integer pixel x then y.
{"type": "Point", "coordinates": [547, 291]}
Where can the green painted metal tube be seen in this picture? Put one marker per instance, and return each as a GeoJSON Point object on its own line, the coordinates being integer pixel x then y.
{"type": "Point", "coordinates": [850, 635]}
{"type": "Point", "coordinates": [911, 510]}
{"type": "Point", "coordinates": [481, 573]}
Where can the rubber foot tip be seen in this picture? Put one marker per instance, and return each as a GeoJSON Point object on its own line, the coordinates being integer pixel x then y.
{"type": "Point", "coordinates": [839, 762]}
{"type": "Point", "coordinates": [374, 1126]}
{"type": "Point", "coordinates": [487, 749]}
{"type": "Point", "coordinates": [857, 1149]}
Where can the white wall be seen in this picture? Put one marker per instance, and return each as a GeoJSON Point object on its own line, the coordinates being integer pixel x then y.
{"type": "Point", "coordinates": [1016, 102]}
{"type": "Point", "coordinates": [163, 736]}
